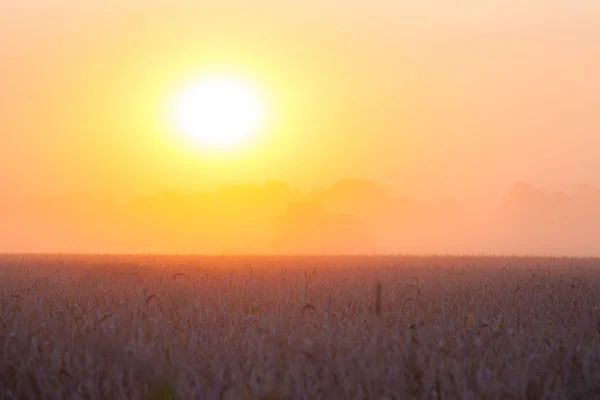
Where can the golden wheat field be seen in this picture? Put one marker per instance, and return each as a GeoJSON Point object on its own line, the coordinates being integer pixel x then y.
{"type": "Point", "coordinates": [150, 327]}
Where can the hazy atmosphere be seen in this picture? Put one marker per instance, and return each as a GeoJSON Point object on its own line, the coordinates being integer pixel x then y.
{"type": "Point", "coordinates": [405, 126]}
{"type": "Point", "coordinates": [299, 199]}
{"type": "Point", "coordinates": [350, 216]}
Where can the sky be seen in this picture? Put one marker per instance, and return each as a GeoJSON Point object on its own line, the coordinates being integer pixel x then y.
{"type": "Point", "coordinates": [430, 99]}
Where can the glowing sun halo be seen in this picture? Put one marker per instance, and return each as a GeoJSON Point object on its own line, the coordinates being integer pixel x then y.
{"type": "Point", "coordinates": [218, 112]}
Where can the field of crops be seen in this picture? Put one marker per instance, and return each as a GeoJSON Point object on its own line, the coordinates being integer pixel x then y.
{"type": "Point", "coordinates": [125, 327]}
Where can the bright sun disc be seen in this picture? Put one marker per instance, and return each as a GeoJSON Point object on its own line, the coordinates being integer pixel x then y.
{"type": "Point", "coordinates": [218, 112]}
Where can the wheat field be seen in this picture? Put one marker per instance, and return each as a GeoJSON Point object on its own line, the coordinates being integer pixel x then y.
{"type": "Point", "coordinates": [157, 327]}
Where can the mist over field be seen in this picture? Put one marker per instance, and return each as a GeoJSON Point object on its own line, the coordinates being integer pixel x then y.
{"type": "Point", "coordinates": [351, 216]}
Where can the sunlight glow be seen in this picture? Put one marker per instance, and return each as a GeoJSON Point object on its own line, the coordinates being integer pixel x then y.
{"type": "Point", "coordinates": [218, 112]}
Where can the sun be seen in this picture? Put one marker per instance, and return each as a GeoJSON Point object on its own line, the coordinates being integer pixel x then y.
{"type": "Point", "coordinates": [218, 112]}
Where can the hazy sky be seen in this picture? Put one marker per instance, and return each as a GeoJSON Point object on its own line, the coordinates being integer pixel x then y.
{"type": "Point", "coordinates": [427, 97]}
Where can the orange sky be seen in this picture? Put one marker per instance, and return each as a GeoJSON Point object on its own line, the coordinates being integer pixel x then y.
{"type": "Point", "coordinates": [430, 99]}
